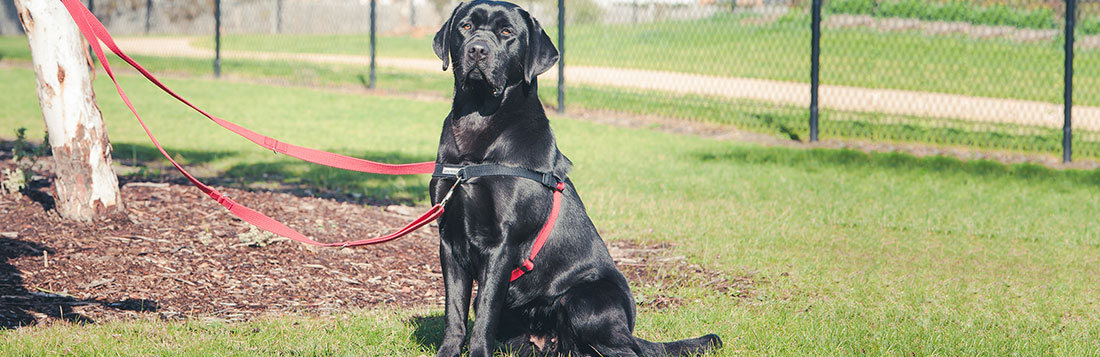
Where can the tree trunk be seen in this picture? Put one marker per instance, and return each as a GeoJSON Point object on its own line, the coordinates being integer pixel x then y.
{"type": "Point", "coordinates": [86, 184]}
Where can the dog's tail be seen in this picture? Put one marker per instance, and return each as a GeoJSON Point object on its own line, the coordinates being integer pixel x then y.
{"type": "Point", "coordinates": [689, 347]}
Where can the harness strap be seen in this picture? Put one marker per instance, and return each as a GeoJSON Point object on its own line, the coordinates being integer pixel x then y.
{"type": "Point", "coordinates": [544, 233]}
{"type": "Point", "coordinates": [464, 173]}
{"type": "Point", "coordinates": [94, 31]}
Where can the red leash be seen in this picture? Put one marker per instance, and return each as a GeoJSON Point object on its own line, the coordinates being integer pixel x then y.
{"type": "Point", "coordinates": [95, 32]}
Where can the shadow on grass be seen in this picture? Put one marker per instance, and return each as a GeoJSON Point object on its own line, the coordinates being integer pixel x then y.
{"type": "Point", "coordinates": [285, 175]}
{"type": "Point", "coordinates": [135, 155]}
{"type": "Point", "coordinates": [19, 305]}
{"type": "Point", "coordinates": [813, 158]}
{"type": "Point", "coordinates": [428, 330]}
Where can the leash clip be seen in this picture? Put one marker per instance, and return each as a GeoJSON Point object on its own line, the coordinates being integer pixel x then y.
{"type": "Point", "coordinates": [450, 193]}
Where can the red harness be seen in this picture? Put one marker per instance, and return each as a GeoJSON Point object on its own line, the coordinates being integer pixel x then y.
{"type": "Point", "coordinates": [94, 31]}
{"type": "Point", "coordinates": [462, 174]}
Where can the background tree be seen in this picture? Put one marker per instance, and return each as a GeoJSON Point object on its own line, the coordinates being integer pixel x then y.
{"type": "Point", "coordinates": [86, 183]}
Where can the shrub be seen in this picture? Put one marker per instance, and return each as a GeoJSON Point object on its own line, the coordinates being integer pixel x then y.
{"type": "Point", "coordinates": [1039, 18]}
{"type": "Point", "coordinates": [909, 9]}
{"type": "Point", "coordinates": [996, 15]}
{"type": "Point", "coordinates": [25, 155]}
{"type": "Point", "coordinates": [1089, 26]}
{"type": "Point", "coordinates": [854, 7]}
{"type": "Point", "coordinates": [956, 10]}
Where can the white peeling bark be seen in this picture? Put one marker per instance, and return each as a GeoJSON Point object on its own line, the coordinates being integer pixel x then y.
{"type": "Point", "coordinates": [86, 184]}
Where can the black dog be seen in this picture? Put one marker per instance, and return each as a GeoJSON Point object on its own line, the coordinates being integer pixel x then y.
{"type": "Point", "coordinates": [574, 301]}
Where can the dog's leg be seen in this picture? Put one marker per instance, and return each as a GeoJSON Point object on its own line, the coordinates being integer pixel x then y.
{"type": "Point", "coordinates": [599, 316]}
{"type": "Point", "coordinates": [492, 290]}
{"type": "Point", "coordinates": [457, 284]}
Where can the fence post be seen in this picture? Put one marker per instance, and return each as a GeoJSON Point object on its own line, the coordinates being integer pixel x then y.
{"type": "Point", "coordinates": [217, 38]}
{"type": "Point", "coordinates": [815, 54]}
{"type": "Point", "coordinates": [1067, 130]}
{"type": "Point", "coordinates": [148, 14]}
{"type": "Point", "coordinates": [561, 56]}
{"type": "Point", "coordinates": [279, 16]}
{"type": "Point", "coordinates": [373, 19]}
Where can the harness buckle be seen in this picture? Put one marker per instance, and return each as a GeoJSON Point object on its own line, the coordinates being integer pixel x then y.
{"type": "Point", "coordinates": [273, 144]}
{"type": "Point", "coordinates": [450, 193]}
{"type": "Point", "coordinates": [527, 265]}
{"type": "Point", "coordinates": [461, 175]}
{"type": "Point", "coordinates": [223, 199]}
{"type": "Point", "coordinates": [552, 181]}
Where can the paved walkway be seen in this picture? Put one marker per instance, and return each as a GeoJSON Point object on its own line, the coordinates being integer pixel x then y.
{"type": "Point", "coordinates": [939, 105]}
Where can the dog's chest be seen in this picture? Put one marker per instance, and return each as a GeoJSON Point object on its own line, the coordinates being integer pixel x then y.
{"type": "Point", "coordinates": [478, 223]}
{"type": "Point", "coordinates": [472, 135]}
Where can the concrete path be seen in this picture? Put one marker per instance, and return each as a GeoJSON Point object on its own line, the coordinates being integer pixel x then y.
{"type": "Point", "coordinates": [938, 105]}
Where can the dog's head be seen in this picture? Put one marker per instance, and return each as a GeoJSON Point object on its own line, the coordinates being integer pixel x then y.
{"type": "Point", "coordinates": [494, 44]}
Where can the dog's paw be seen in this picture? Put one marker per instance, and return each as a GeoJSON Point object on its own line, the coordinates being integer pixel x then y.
{"type": "Point", "coordinates": [449, 350]}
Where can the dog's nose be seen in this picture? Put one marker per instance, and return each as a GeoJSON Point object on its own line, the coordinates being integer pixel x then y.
{"type": "Point", "coordinates": [478, 50]}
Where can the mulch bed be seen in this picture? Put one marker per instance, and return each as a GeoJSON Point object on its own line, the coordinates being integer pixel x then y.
{"type": "Point", "coordinates": [176, 254]}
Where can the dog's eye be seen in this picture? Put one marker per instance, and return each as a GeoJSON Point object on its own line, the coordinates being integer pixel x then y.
{"type": "Point", "coordinates": [466, 26]}
{"type": "Point", "coordinates": [506, 31]}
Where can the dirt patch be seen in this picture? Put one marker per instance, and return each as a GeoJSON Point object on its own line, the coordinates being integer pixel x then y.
{"type": "Point", "coordinates": [179, 254]}
{"type": "Point", "coordinates": [176, 254]}
{"type": "Point", "coordinates": [656, 266]}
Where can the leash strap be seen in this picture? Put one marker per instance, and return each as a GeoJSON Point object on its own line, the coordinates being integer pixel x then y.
{"type": "Point", "coordinates": [464, 173]}
{"type": "Point", "coordinates": [94, 31]}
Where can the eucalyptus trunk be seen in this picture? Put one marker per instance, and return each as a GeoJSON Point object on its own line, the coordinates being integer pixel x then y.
{"type": "Point", "coordinates": [86, 184]}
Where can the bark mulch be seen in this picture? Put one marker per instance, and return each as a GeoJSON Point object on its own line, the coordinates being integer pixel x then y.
{"type": "Point", "coordinates": [176, 254]}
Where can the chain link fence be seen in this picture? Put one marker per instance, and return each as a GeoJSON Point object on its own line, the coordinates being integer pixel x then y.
{"type": "Point", "coordinates": [977, 73]}
{"type": "Point", "coordinates": [985, 74]}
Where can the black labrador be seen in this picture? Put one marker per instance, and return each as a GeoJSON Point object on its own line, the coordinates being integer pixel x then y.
{"type": "Point", "coordinates": [574, 301]}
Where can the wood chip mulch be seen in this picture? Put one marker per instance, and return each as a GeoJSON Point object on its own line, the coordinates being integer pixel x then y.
{"type": "Point", "coordinates": [176, 254]}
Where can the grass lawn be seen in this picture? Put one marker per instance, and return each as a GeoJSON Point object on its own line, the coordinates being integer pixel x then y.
{"type": "Point", "coordinates": [848, 252]}
{"type": "Point", "coordinates": [783, 120]}
{"type": "Point", "coordinates": [737, 46]}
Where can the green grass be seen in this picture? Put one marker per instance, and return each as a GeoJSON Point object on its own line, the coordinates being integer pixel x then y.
{"type": "Point", "coordinates": [195, 140]}
{"type": "Point", "coordinates": [383, 332]}
{"type": "Point", "coordinates": [14, 48]}
{"type": "Point", "coordinates": [848, 252]}
{"type": "Point", "coordinates": [737, 46]}
{"type": "Point", "coordinates": [791, 121]}
{"type": "Point", "coordinates": [782, 120]}
{"type": "Point", "coordinates": [1036, 17]}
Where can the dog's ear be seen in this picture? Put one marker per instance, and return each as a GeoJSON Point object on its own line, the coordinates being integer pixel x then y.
{"type": "Point", "coordinates": [442, 38]}
{"type": "Point", "coordinates": [541, 53]}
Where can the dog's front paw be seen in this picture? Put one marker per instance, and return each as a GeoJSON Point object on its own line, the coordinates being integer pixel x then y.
{"type": "Point", "coordinates": [449, 350]}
